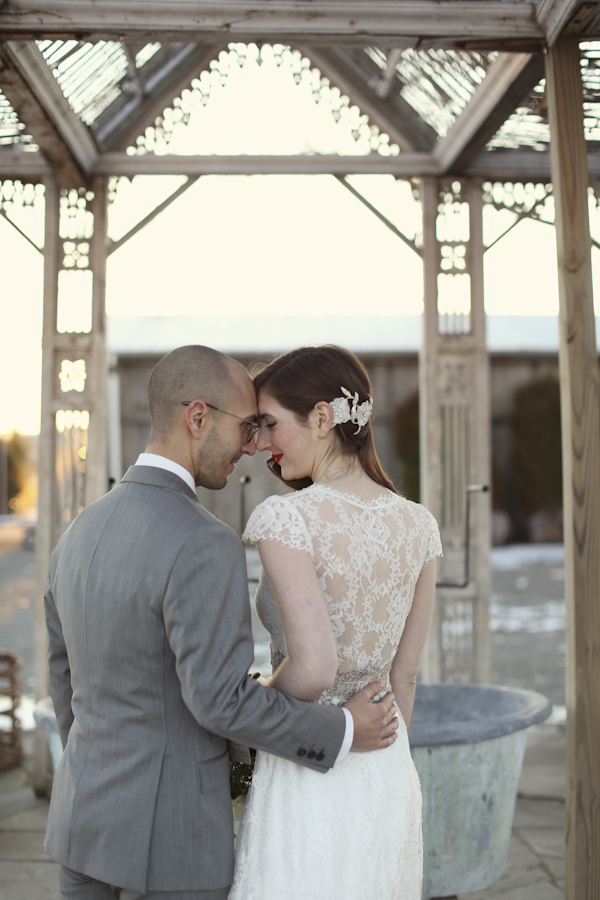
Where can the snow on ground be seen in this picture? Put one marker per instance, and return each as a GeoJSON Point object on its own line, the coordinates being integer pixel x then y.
{"type": "Point", "coordinates": [516, 556]}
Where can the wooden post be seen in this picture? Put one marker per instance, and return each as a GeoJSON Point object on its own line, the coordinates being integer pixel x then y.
{"type": "Point", "coordinates": [455, 428]}
{"type": "Point", "coordinates": [482, 452]}
{"type": "Point", "coordinates": [45, 532]}
{"type": "Point", "coordinates": [428, 401]}
{"type": "Point", "coordinates": [59, 500]}
{"type": "Point", "coordinates": [581, 468]}
{"type": "Point", "coordinates": [96, 480]}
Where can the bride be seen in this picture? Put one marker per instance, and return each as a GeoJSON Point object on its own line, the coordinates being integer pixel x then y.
{"type": "Point", "coordinates": [347, 599]}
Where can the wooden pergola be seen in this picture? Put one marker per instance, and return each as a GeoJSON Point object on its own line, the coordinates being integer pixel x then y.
{"type": "Point", "coordinates": [461, 97]}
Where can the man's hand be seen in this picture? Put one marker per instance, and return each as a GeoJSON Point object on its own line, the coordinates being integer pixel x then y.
{"type": "Point", "coordinates": [375, 724]}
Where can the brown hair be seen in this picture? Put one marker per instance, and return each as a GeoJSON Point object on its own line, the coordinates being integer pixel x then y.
{"type": "Point", "coordinates": [300, 379]}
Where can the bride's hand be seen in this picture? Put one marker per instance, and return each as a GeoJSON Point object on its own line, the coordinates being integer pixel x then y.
{"type": "Point", "coordinates": [375, 724]}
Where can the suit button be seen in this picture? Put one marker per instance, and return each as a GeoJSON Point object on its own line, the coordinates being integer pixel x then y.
{"type": "Point", "coordinates": [311, 754]}
{"type": "Point", "coordinates": [301, 752]}
{"type": "Point", "coordinates": [320, 756]}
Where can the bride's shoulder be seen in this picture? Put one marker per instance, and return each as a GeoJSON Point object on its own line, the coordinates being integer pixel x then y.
{"type": "Point", "coordinates": [293, 507]}
{"type": "Point", "coordinates": [280, 518]}
{"type": "Point", "coordinates": [277, 506]}
{"type": "Point", "coordinates": [417, 509]}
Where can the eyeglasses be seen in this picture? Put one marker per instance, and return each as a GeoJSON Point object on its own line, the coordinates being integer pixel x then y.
{"type": "Point", "coordinates": [251, 428]}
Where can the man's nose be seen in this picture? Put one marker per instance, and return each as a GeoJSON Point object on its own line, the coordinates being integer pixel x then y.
{"type": "Point", "coordinates": [249, 447]}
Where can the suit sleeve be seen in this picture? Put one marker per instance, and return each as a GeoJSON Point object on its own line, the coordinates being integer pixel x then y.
{"type": "Point", "coordinates": [208, 624]}
{"type": "Point", "coordinates": [59, 669]}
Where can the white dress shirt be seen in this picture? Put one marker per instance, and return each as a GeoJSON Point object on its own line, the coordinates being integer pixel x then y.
{"type": "Point", "coordinates": [163, 462]}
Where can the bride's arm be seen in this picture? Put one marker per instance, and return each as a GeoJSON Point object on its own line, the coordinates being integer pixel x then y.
{"type": "Point", "coordinates": [405, 667]}
{"type": "Point", "coordinates": [311, 664]}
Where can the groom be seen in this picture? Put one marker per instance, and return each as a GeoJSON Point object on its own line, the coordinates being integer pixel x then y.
{"type": "Point", "coordinates": [149, 647]}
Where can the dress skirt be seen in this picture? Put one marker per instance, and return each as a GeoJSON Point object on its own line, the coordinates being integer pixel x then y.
{"type": "Point", "coordinates": [353, 833]}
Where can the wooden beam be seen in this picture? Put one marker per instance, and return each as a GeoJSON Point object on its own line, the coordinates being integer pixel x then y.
{"type": "Point", "coordinates": [581, 468]}
{"type": "Point", "coordinates": [41, 128]}
{"type": "Point", "coordinates": [384, 84]}
{"type": "Point", "coordinates": [122, 123]}
{"type": "Point", "coordinates": [393, 228]}
{"type": "Point", "coordinates": [20, 231]}
{"type": "Point", "coordinates": [557, 15]}
{"type": "Point", "coordinates": [25, 58]}
{"type": "Point", "coordinates": [324, 21]}
{"type": "Point", "coordinates": [519, 165]}
{"type": "Point", "coordinates": [26, 166]}
{"type": "Point", "coordinates": [114, 245]}
{"type": "Point", "coordinates": [508, 80]}
{"type": "Point", "coordinates": [405, 164]}
{"type": "Point", "coordinates": [510, 165]}
{"type": "Point", "coordinates": [498, 165]}
{"type": "Point", "coordinates": [405, 128]}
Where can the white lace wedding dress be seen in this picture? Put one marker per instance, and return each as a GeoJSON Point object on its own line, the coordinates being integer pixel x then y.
{"type": "Point", "coordinates": [353, 833]}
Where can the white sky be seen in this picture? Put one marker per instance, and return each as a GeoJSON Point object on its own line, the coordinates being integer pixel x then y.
{"type": "Point", "coordinates": [263, 246]}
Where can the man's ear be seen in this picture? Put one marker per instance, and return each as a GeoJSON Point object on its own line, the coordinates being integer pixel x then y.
{"type": "Point", "coordinates": [324, 414]}
{"type": "Point", "coordinates": [196, 418]}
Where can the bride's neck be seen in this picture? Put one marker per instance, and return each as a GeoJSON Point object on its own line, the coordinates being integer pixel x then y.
{"type": "Point", "coordinates": [346, 469]}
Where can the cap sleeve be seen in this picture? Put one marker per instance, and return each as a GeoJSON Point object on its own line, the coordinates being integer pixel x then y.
{"type": "Point", "coordinates": [432, 542]}
{"type": "Point", "coordinates": [277, 519]}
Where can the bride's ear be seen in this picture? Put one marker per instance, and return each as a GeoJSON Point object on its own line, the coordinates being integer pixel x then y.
{"type": "Point", "coordinates": [324, 418]}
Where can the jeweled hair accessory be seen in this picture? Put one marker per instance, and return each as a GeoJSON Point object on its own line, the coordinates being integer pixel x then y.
{"type": "Point", "coordinates": [348, 409]}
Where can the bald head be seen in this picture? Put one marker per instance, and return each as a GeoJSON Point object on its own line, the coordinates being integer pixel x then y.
{"type": "Point", "coordinates": [188, 373]}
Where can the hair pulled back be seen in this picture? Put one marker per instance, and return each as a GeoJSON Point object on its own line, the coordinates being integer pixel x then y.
{"type": "Point", "coordinates": [300, 379]}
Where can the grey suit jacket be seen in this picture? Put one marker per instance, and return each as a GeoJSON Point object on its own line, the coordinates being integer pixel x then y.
{"type": "Point", "coordinates": [148, 618]}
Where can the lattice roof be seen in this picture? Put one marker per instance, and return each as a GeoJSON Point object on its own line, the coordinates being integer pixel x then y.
{"type": "Point", "coordinates": [452, 97]}
{"type": "Point", "coordinates": [438, 84]}
{"type": "Point", "coordinates": [91, 76]}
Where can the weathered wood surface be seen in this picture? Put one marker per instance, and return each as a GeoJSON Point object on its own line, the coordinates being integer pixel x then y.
{"type": "Point", "coordinates": [40, 125]}
{"type": "Point", "coordinates": [510, 78]}
{"type": "Point", "coordinates": [400, 121]}
{"type": "Point", "coordinates": [128, 117]}
{"type": "Point", "coordinates": [581, 470]}
{"type": "Point", "coordinates": [96, 475]}
{"type": "Point", "coordinates": [25, 59]}
{"type": "Point", "coordinates": [454, 425]}
{"type": "Point", "coordinates": [335, 21]}
{"type": "Point", "coordinates": [429, 440]}
{"type": "Point", "coordinates": [554, 15]}
{"type": "Point", "coordinates": [46, 467]}
{"type": "Point", "coordinates": [512, 165]}
{"type": "Point", "coordinates": [481, 537]}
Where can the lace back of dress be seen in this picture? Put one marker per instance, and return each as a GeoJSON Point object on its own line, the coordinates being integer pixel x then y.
{"type": "Point", "coordinates": [368, 559]}
{"type": "Point", "coordinates": [368, 556]}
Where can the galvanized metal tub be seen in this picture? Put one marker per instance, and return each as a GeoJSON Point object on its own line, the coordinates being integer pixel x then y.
{"type": "Point", "coordinates": [467, 743]}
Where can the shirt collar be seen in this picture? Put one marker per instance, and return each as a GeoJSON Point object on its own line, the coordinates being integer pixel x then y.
{"type": "Point", "coordinates": [161, 462]}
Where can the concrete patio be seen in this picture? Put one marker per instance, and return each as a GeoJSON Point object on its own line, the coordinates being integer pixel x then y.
{"type": "Point", "coordinates": [534, 869]}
